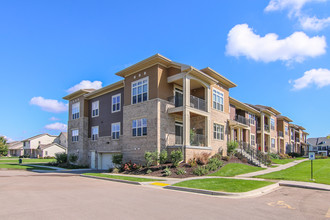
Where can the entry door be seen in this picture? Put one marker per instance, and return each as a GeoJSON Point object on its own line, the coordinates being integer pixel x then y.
{"type": "Point", "coordinates": [178, 98]}
{"type": "Point", "coordinates": [93, 159]}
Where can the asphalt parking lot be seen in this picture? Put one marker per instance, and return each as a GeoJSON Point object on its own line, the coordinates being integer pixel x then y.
{"type": "Point", "coordinates": [28, 195]}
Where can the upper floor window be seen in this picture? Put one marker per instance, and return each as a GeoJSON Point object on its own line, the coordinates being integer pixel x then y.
{"type": "Point", "coordinates": [140, 91]}
{"type": "Point", "coordinates": [273, 143]}
{"type": "Point", "coordinates": [75, 135]}
{"type": "Point", "coordinates": [252, 118]}
{"type": "Point", "coordinates": [292, 138]}
{"type": "Point", "coordinates": [115, 130]}
{"type": "Point", "coordinates": [75, 110]}
{"type": "Point", "coordinates": [95, 109]}
{"type": "Point", "coordinates": [95, 133]}
{"type": "Point", "coordinates": [253, 139]}
{"type": "Point", "coordinates": [116, 103]}
{"type": "Point", "coordinates": [286, 130]}
{"type": "Point", "coordinates": [218, 131]}
{"type": "Point", "coordinates": [217, 100]}
{"type": "Point", "coordinates": [272, 124]}
{"type": "Point", "coordinates": [139, 127]}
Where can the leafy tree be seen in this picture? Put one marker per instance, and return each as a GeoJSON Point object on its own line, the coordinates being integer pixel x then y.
{"type": "Point", "coordinates": [3, 146]}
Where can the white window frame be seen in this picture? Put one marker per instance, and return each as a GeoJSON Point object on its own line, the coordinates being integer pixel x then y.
{"type": "Point", "coordinates": [95, 109]}
{"type": "Point", "coordinates": [115, 130]}
{"type": "Point", "coordinates": [253, 140]}
{"type": "Point", "coordinates": [75, 135]}
{"type": "Point", "coordinates": [271, 143]}
{"type": "Point", "coordinates": [94, 136]}
{"type": "Point", "coordinates": [140, 124]}
{"type": "Point", "coordinates": [218, 131]}
{"type": "Point", "coordinates": [75, 110]}
{"type": "Point", "coordinates": [135, 85]}
{"type": "Point", "coordinates": [216, 104]}
{"type": "Point", "coordinates": [272, 125]}
{"type": "Point", "coordinates": [252, 118]}
{"type": "Point", "coordinates": [115, 104]}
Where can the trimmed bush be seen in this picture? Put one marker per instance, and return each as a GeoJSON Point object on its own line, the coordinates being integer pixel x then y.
{"type": "Point", "coordinates": [163, 157]}
{"type": "Point", "coordinates": [231, 148]}
{"type": "Point", "coordinates": [167, 172]}
{"type": "Point", "coordinates": [149, 158]}
{"type": "Point", "coordinates": [117, 159]}
{"type": "Point", "coordinates": [181, 171]}
{"type": "Point", "coordinates": [200, 171]}
{"type": "Point", "coordinates": [73, 158]}
{"type": "Point", "coordinates": [61, 158]}
{"type": "Point", "coordinates": [274, 156]}
{"type": "Point", "coordinates": [176, 157]}
{"type": "Point", "coordinates": [214, 164]}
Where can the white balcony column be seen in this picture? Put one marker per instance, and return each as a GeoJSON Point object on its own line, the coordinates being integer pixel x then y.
{"type": "Point", "coordinates": [208, 131]}
{"type": "Point", "coordinates": [186, 91]}
{"type": "Point", "coordinates": [249, 136]}
{"type": "Point", "coordinates": [186, 127]}
{"type": "Point", "coordinates": [262, 135]}
{"type": "Point", "coordinates": [208, 99]}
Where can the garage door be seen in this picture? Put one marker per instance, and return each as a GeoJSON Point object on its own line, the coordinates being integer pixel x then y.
{"type": "Point", "coordinates": [106, 161]}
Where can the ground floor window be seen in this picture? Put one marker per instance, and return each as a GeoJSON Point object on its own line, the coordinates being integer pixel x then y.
{"type": "Point", "coordinates": [218, 131]}
{"type": "Point", "coordinates": [178, 133]}
{"type": "Point", "coordinates": [95, 133]}
{"type": "Point", "coordinates": [115, 129]}
{"type": "Point", "coordinates": [139, 127]}
{"type": "Point", "coordinates": [253, 139]}
{"type": "Point", "coordinates": [75, 135]}
{"type": "Point", "coordinates": [273, 143]}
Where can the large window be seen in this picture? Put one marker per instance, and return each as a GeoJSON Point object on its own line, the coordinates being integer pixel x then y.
{"type": "Point", "coordinates": [95, 133]}
{"type": "Point", "coordinates": [139, 127]}
{"type": "Point", "coordinates": [252, 118]}
{"type": "Point", "coordinates": [217, 100]}
{"type": "Point", "coordinates": [253, 139]}
{"type": "Point", "coordinates": [218, 131]}
{"type": "Point", "coordinates": [75, 135]}
{"type": "Point", "coordinates": [116, 103]}
{"type": "Point", "coordinates": [140, 91]}
{"type": "Point", "coordinates": [115, 130]}
{"type": "Point", "coordinates": [75, 110]}
{"type": "Point", "coordinates": [95, 109]}
{"type": "Point", "coordinates": [273, 143]}
{"type": "Point", "coordinates": [286, 130]}
{"type": "Point", "coordinates": [272, 124]}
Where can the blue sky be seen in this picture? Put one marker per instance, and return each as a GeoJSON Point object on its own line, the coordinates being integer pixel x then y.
{"type": "Point", "coordinates": [276, 51]}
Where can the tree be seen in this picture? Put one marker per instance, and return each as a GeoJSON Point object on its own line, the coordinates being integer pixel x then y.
{"type": "Point", "coordinates": [3, 146]}
{"type": "Point", "coordinates": [328, 136]}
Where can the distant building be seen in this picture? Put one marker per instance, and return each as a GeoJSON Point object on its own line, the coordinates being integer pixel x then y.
{"type": "Point", "coordinates": [320, 145]}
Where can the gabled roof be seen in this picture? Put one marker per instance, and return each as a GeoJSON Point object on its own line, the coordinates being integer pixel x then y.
{"type": "Point", "coordinates": [219, 77]}
{"type": "Point", "coordinates": [15, 145]}
{"type": "Point", "coordinates": [282, 117]}
{"type": "Point", "coordinates": [45, 146]}
{"type": "Point", "coordinates": [77, 94]}
{"type": "Point", "coordinates": [243, 105]}
{"type": "Point", "coordinates": [320, 141]}
{"type": "Point", "coordinates": [263, 107]}
{"type": "Point", "coordinates": [37, 136]}
{"type": "Point", "coordinates": [106, 89]}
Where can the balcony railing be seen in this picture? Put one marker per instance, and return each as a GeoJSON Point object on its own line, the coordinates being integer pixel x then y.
{"type": "Point", "coordinates": [197, 140]}
{"type": "Point", "coordinates": [280, 134]}
{"type": "Point", "coordinates": [195, 102]}
{"type": "Point", "coordinates": [242, 120]}
{"type": "Point", "coordinates": [266, 127]}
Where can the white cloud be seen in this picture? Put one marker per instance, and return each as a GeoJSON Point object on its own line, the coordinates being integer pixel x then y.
{"type": "Point", "coordinates": [242, 41]}
{"type": "Point", "coordinates": [49, 105]}
{"type": "Point", "coordinates": [85, 84]}
{"type": "Point", "coordinates": [295, 9]}
{"type": "Point", "coordinates": [54, 119]}
{"type": "Point", "coordinates": [57, 126]}
{"type": "Point", "coordinates": [319, 77]}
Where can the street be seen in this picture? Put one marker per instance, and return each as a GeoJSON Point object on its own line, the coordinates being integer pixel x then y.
{"type": "Point", "coordinates": [28, 195]}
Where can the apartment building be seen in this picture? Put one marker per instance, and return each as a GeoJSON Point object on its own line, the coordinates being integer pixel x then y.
{"type": "Point", "coordinates": [298, 139]}
{"type": "Point", "coordinates": [162, 104]}
{"type": "Point", "coordinates": [283, 123]}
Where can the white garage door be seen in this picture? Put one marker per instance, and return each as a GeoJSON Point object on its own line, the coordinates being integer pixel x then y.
{"type": "Point", "coordinates": [106, 161]}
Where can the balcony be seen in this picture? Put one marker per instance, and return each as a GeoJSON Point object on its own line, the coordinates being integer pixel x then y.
{"type": "Point", "coordinates": [242, 120]}
{"type": "Point", "coordinates": [280, 134]}
{"type": "Point", "coordinates": [195, 102]}
{"type": "Point", "coordinates": [297, 139]}
{"type": "Point", "coordinates": [266, 127]}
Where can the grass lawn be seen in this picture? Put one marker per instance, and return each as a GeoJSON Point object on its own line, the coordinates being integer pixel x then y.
{"type": "Point", "coordinates": [25, 160]}
{"type": "Point", "coordinates": [302, 172]}
{"type": "Point", "coordinates": [285, 161]}
{"type": "Point", "coordinates": [22, 167]}
{"type": "Point", "coordinates": [233, 169]}
{"type": "Point", "coordinates": [129, 178]}
{"type": "Point", "coordinates": [224, 185]}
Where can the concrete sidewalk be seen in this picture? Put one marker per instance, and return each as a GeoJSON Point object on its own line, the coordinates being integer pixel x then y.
{"type": "Point", "coordinates": [272, 169]}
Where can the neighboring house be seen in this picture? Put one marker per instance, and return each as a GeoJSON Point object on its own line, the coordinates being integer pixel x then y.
{"type": "Point", "coordinates": [15, 149]}
{"type": "Point", "coordinates": [320, 145]}
{"type": "Point", "coordinates": [36, 146]}
{"type": "Point", "coordinates": [162, 104]}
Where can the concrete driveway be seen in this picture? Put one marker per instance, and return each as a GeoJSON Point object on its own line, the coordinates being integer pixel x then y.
{"type": "Point", "coordinates": [28, 195]}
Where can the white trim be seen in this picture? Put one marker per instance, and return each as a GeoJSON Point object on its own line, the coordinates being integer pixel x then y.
{"type": "Point", "coordinates": [92, 138]}
{"type": "Point", "coordinates": [115, 96]}
{"type": "Point", "coordinates": [112, 124]}
{"type": "Point", "coordinates": [215, 131]}
{"type": "Point", "coordinates": [223, 100]}
{"type": "Point", "coordinates": [137, 81]}
{"type": "Point", "coordinates": [98, 109]}
{"type": "Point", "coordinates": [77, 114]}
{"type": "Point", "coordinates": [76, 140]}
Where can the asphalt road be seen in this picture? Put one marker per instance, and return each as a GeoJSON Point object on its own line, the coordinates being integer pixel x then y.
{"type": "Point", "coordinates": [26, 195]}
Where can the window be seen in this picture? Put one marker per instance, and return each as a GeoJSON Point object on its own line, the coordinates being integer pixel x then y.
{"type": "Point", "coordinates": [75, 135]}
{"type": "Point", "coordinates": [272, 124]}
{"type": "Point", "coordinates": [116, 103]}
{"type": "Point", "coordinates": [75, 110]}
{"type": "Point", "coordinates": [178, 133]}
{"type": "Point", "coordinates": [95, 109]}
{"type": "Point", "coordinates": [46, 153]}
{"type": "Point", "coordinates": [140, 91]}
{"type": "Point", "coordinates": [217, 100]}
{"type": "Point", "coordinates": [139, 127]}
{"type": "Point", "coordinates": [115, 129]}
{"type": "Point", "coordinates": [252, 118]}
{"type": "Point", "coordinates": [292, 134]}
{"type": "Point", "coordinates": [286, 130]}
{"type": "Point", "coordinates": [273, 143]}
{"type": "Point", "coordinates": [253, 139]}
{"type": "Point", "coordinates": [95, 133]}
{"type": "Point", "coordinates": [218, 131]}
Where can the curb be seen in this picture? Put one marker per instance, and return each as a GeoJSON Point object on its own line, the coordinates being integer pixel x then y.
{"type": "Point", "coordinates": [256, 192]}
{"type": "Point", "coordinates": [109, 179]}
{"type": "Point", "coordinates": [303, 186]}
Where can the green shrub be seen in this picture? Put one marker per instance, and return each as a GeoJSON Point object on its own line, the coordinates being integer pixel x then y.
{"type": "Point", "coordinates": [181, 171]}
{"type": "Point", "coordinates": [117, 159]}
{"type": "Point", "coordinates": [149, 158]}
{"type": "Point", "coordinates": [225, 158]}
{"type": "Point", "coordinates": [163, 157]}
{"type": "Point", "coordinates": [274, 156]}
{"type": "Point", "coordinates": [115, 170]}
{"type": "Point", "coordinates": [155, 157]}
{"type": "Point", "coordinates": [200, 171]}
{"type": "Point", "coordinates": [214, 164]}
{"type": "Point", "coordinates": [149, 171]}
{"type": "Point", "coordinates": [167, 172]}
{"type": "Point", "coordinates": [202, 158]}
{"type": "Point", "coordinates": [231, 147]}
{"type": "Point", "coordinates": [176, 157]}
{"type": "Point", "coordinates": [192, 162]}
{"type": "Point", "coordinates": [61, 158]}
{"type": "Point", "coordinates": [293, 154]}
{"type": "Point", "coordinates": [73, 158]}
